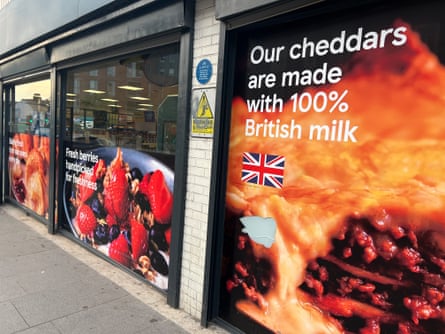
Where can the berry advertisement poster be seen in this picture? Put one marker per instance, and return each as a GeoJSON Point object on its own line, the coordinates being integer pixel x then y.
{"type": "Point", "coordinates": [335, 194]}
{"type": "Point", "coordinates": [119, 201]}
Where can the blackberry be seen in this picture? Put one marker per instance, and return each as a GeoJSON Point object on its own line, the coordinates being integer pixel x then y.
{"type": "Point", "coordinates": [101, 234]}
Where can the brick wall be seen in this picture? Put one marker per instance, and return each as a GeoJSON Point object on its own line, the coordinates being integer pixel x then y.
{"type": "Point", "coordinates": [206, 44]}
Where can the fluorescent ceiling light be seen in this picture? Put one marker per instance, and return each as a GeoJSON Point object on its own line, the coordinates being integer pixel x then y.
{"type": "Point", "coordinates": [94, 91]}
{"type": "Point", "coordinates": [115, 105]}
{"type": "Point", "coordinates": [70, 100]}
{"type": "Point", "coordinates": [145, 105]}
{"type": "Point", "coordinates": [139, 98]}
{"type": "Point", "coordinates": [71, 94]}
{"type": "Point", "coordinates": [128, 87]}
{"type": "Point", "coordinates": [142, 109]}
{"type": "Point", "coordinates": [109, 100]}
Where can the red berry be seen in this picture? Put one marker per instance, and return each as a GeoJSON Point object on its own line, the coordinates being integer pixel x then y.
{"type": "Point", "coordinates": [111, 220]}
{"type": "Point", "coordinates": [85, 219]}
{"type": "Point", "coordinates": [116, 189]}
{"type": "Point", "coordinates": [168, 235]}
{"type": "Point", "coordinates": [119, 251]}
{"type": "Point", "coordinates": [139, 239]}
{"type": "Point", "coordinates": [153, 186]}
{"type": "Point", "coordinates": [84, 192]}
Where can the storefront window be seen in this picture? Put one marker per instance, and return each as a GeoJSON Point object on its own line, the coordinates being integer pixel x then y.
{"type": "Point", "coordinates": [29, 127]}
{"type": "Point", "coordinates": [120, 151]}
{"type": "Point", "coordinates": [334, 207]}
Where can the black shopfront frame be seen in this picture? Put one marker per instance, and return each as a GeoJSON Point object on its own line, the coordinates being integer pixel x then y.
{"type": "Point", "coordinates": [238, 24]}
{"type": "Point", "coordinates": [154, 24]}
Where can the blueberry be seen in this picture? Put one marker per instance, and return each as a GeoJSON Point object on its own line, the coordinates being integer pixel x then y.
{"type": "Point", "coordinates": [113, 232]}
{"type": "Point", "coordinates": [101, 234]}
{"type": "Point", "coordinates": [136, 174]}
{"type": "Point", "coordinates": [97, 208]}
{"type": "Point", "coordinates": [157, 236]}
{"type": "Point", "coordinates": [158, 263]}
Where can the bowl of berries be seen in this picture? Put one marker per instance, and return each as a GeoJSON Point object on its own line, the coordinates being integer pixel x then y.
{"type": "Point", "coordinates": [119, 201]}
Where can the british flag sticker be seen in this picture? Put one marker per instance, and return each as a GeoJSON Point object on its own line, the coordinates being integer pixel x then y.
{"type": "Point", "coordinates": [263, 169]}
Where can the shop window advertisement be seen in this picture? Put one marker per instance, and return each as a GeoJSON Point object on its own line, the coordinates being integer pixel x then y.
{"type": "Point", "coordinates": [119, 170]}
{"type": "Point", "coordinates": [335, 202]}
{"type": "Point", "coordinates": [29, 148]}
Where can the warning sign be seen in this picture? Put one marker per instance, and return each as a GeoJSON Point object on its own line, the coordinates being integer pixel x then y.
{"type": "Point", "coordinates": [204, 110]}
{"type": "Point", "coordinates": [203, 117]}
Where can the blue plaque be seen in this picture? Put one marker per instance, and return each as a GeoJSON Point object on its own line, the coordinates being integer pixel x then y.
{"type": "Point", "coordinates": [204, 71]}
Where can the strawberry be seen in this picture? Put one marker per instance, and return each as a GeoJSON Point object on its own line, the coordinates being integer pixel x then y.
{"type": "Point", "coordinates": [153, 186]}
{"type": "Point", "coordinates": [116, 189]}
{"type": "Point", "coordinates": [143, 185]}
{"type": "Point", "coordinates": [85, 219]}
{"type": "Point", "coordinates": [168, 235]}
{"type": "Point", "coordinates": [85, 192]}
{"type": "Point", "coordinates": [111, 220]}
{"type": "Point", "coordinates": [139, 239]}
{"type": "Point", "coordinates": [119, 251]}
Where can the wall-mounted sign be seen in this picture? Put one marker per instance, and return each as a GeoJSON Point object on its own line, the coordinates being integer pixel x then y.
{"type": "Point", "coordinates": [204, 71]}
{"type": "Point", "coordinates": [203, 116]}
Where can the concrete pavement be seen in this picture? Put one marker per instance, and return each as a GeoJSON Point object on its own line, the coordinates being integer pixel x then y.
{"type": "Point", "coordinates": [51, 285]}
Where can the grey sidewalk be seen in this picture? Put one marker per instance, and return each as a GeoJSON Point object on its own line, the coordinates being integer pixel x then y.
{"type": "Point", "coordinates": [49, 284]}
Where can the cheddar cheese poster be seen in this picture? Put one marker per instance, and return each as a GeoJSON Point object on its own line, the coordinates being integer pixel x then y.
{"type": "Point", "coordinates": [335, 194]}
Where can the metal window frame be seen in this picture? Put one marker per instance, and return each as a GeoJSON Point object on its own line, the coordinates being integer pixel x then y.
{"type": "Point", "coordinates": [181, 156]}
{"type": "Point", "coordinates": [8, 86]}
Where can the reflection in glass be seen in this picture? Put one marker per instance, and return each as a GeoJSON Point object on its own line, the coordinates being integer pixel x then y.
{"type": "Point", "coordinates": [125, 103]}
{"type": "Point", "coordinates": [29, 130]}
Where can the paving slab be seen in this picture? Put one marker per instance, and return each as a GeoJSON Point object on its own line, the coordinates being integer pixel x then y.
{"type": "Point", "coordinates": [10, 319]}
{"type": "Point", "coordinates": [47, 328]}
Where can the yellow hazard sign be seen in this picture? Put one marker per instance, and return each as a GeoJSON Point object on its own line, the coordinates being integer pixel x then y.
{"type": "Point", "coordinates": [204, 110]}
{"type": "Point", "coordinates": [203, 119]}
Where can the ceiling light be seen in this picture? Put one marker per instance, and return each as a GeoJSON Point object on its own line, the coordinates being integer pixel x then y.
{"type": "Point", "coordinates": [109, 100]}
{"type": "Point", "coordinates": [71, 94]}
{"type": "Point", "coordinates": [145, 105]}
{"type": "Point", "coordinates": [94, 91]}
{"type": "Point", "coordinates": [115, 105]}
{"type": "Point", "coordinates": [139, 98]}
{"type": "Point", "coordinates": [128, 87]}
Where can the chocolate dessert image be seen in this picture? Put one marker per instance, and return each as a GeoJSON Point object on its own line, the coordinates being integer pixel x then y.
{"type": "Point", "coordinates": [360, 239]}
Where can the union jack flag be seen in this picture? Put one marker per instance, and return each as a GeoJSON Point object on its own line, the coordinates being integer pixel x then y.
{"type": "Point", "coordinates": [263, 169]}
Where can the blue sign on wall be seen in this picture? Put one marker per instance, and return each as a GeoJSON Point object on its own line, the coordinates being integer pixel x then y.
{"type": "Point", "coordinates": [204, 71]}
